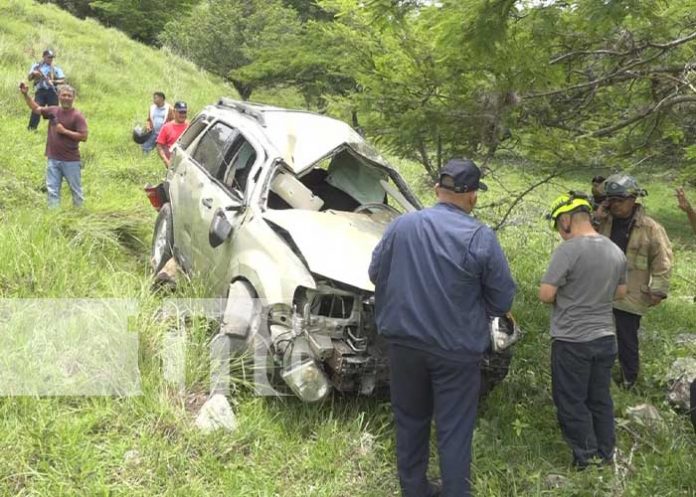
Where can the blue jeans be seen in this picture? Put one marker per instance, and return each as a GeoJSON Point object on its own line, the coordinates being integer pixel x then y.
{"type": "Point", "coordinates": [151, 142]}
{"type": "Point", "coordinates": [55, 172]}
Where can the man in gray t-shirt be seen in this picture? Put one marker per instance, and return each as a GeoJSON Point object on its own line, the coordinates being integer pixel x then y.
{"type": "Point", "coordinates": [587, 272]}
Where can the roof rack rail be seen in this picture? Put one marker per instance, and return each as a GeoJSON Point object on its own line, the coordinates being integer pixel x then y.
{"type": "Point", "coordinates": [244, 108]}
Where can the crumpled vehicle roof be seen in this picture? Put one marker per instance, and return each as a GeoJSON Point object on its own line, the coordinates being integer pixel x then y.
{"type": "Point", "coordinates": [303, 138]}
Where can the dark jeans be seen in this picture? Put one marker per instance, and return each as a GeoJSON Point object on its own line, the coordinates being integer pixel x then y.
{"type": "Point", "coordinates": [627, 325]}
{"type": "Point", "coordinates": [423, 384]}
{"type": "Point", "coordinates": [581, 378]}
{"type": "Point", "coordinates": [43, 98]}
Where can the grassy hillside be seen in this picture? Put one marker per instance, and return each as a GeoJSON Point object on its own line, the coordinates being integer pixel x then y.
{"type": "Point", "coordinates": [147, 445]}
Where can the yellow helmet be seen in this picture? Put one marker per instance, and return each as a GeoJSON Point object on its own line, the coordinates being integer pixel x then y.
{"type": "Point", "coordinates": [568, 202]}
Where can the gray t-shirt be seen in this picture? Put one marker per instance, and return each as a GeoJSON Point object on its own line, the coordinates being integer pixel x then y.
{"type": "Point", "coordinates": [586, 270]}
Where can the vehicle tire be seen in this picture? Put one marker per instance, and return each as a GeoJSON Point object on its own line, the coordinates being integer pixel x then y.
{"type": "Point", "coordinates": [162, 239]}
{"type": "Point", "coordinates": [494, 369]}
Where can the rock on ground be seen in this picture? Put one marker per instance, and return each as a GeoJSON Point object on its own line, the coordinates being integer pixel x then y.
{"type": "Point", "coordinates": [644, 414]}
{"type": "Point", "coordinates": [216, 414]}
{"type": "Point", "coordinates": [679, 379]}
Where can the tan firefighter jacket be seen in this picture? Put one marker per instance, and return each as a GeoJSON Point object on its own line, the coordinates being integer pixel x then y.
{"type": "Point", "coordinates": [649, 257]}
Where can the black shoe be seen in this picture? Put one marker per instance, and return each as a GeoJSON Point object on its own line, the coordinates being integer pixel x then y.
{"type": "Point", "coordinates": [627, 385]}
{"type": "Point", "coordinates": [435, 487]}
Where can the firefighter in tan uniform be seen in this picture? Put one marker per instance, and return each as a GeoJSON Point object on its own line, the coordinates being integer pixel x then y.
{"type": "Point", "coordinates": [649, 255]}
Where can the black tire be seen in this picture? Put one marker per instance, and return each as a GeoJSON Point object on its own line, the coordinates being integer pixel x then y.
{"type": "Point", "coordinates": [162, 239]}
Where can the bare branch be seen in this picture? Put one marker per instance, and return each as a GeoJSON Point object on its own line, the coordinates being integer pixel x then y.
{"type": "Point", "coordinates": [664, 103]}
{"type": "Point", "coordinates": [570, 55]}
{"type": "Point", "coordinates": [674, 43]}
{"type": "Point", "coordinates": [519, 197]}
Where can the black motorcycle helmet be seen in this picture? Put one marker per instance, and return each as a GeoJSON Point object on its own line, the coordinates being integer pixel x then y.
{"type": "Point", "coordinates": [140, 134]}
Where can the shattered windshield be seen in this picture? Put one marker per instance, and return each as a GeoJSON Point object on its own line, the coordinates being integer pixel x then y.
{"type": "Point", "coordinates": [342, 181]}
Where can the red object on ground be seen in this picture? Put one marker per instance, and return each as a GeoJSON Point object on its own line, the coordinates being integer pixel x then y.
{"type": "Point", "coordinates": [155, 195]}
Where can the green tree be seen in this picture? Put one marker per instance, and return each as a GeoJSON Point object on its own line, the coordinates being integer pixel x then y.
{"type": "Point", "coordinates": [78, 8]}
{"type": "Point", "coordinates": [224, 36]}
{"type": "Point", "coordinates": [142, 20]}
{"type": "Point", "coordinates": [621, 72]}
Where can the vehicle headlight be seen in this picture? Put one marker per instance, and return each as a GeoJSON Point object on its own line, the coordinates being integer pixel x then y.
{"type": "Point", "coordinates": [307, 381]}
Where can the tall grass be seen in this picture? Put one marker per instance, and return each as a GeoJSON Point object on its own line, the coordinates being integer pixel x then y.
{"type": "Point", "coordinates": [147, 445]}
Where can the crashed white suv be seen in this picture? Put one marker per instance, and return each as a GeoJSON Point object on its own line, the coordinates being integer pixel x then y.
{"type": "Point", "coordinates": [279, 211]}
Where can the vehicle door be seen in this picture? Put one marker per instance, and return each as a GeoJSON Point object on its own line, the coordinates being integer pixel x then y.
{"type": "Point", "coordinates": [228, 191]}
{"type": "Point", "coordinates": [181, 187]}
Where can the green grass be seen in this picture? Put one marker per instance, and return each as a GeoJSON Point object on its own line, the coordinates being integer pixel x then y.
{"type": "Point", "coordinates": [147, 444]}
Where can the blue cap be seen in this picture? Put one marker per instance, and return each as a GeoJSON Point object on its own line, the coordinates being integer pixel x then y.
{"type": "Point", "coordinates": [466, 176]}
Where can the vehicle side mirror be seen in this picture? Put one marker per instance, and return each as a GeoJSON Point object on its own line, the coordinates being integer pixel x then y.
{"type": "Point", "coordinates": [220, 228]}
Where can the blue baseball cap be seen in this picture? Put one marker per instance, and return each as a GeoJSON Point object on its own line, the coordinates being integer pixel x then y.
{"type": "Point", "coordinates": [466, 176]}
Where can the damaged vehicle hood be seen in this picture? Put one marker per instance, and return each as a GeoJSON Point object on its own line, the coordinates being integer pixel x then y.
{"type": "Point", "coordinates": [336, 245]}
{"type": "Point", "coordinates": [302, 139]}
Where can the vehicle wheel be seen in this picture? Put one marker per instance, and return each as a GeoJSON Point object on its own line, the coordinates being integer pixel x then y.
{"type": "Point", "coordinates": [162, 239]}
{"type": "Point", "coordinates": [494, 369]}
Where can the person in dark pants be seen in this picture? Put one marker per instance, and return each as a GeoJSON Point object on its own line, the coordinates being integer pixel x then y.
{"type": "Point", "coordinates": [46, 78]}
{"type": "Point", "coordinates": [649, 254]}
{"type": "Point", "coordinates": [587, 272]}
{"type": "Point", "coordinates": [439, 276]}
{"type": "Point", "coordinates": [692, 403]}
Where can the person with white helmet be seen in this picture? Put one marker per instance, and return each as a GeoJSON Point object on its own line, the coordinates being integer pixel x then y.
{"type": "Point", "coordinates": [649, 254]}
{"type": "Point", "coordinates": [587, 272]}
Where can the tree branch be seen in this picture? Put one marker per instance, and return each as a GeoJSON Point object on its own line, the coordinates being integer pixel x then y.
{"type": "Point", "coordinates": [673, 43]}
{"type": "Point", "coordinates": [664, 103]}
{"type": "Point", "coordinates": [519, 197]}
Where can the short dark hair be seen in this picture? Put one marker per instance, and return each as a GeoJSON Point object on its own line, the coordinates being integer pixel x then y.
{"type": "Point", "coordinates": [159, 94]}
{"type": "Point", "coordinates": [598, 179]}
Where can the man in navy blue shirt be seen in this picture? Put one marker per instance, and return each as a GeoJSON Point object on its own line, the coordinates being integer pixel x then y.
{"type": "Point", "coordinates": [439, 276]}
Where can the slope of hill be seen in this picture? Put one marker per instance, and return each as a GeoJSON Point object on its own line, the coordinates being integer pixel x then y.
{"type": "Point", "coordinates": [147, 444]}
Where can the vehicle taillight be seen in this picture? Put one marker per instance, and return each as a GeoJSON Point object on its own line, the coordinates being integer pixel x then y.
{"type": "Point", "coordinates": [156, 195]}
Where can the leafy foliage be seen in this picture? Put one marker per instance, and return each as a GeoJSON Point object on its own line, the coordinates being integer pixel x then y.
{"type": "Point", "coordinates": [222, 36]}
{"type": "Point", "coordinates": [142, 20]}
{"type": "Point", "coordinates": [146, 445]}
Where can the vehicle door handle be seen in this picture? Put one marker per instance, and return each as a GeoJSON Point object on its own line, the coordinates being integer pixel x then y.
{"type": "Point", "coordinates": [208, 202]}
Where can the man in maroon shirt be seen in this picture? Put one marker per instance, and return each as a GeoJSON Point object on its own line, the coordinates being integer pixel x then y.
{"type": "Point", "coordinates": [67, 128]}
{"type": "Point", "coordinates": [171, 132]}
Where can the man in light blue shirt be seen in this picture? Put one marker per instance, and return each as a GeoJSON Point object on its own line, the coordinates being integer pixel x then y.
{"type": "Point", "coordinates": [46, 78]}
{"type": "Point", "coordinates": [159, 114]}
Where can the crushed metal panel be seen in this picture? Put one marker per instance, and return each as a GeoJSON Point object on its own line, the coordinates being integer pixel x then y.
{"type": "Point", "coordinates": [302, 138]}
{"type": "Point", "coordinates": [336, 245]}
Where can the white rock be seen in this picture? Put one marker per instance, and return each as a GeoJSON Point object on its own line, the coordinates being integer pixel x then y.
{"type": "Point", "coordinates": [216, 414]}
{"type": "Point", "coordinates": [679, 379]}
{"type": "Point", "coordinates": [554, 481]}
{"type": "Point", "coordinates": [644, 414]}
{"type": "Point", "coordinates": [132, 457]}
{"type": "Point", "coordinates": [685, 339]}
